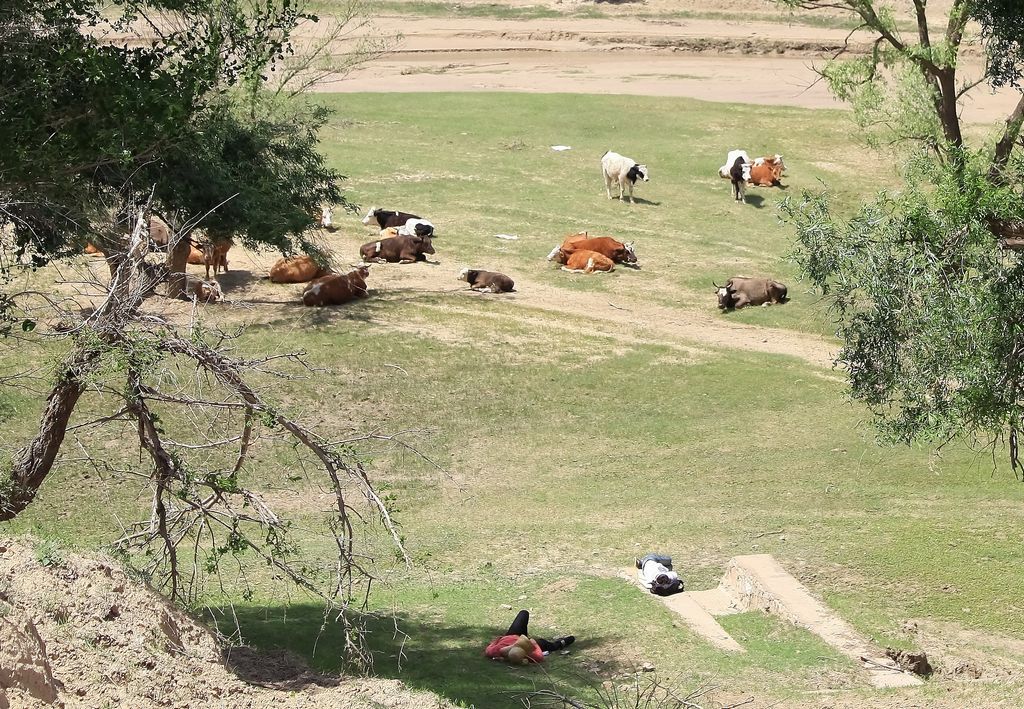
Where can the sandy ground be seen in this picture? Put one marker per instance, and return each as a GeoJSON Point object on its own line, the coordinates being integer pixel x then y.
{"type": "Point", "coordinates": [728, 60]}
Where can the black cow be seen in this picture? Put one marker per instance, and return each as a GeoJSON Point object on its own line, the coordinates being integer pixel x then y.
{"type": "Point", "coordinates": [387, 218]}
{"type": "Point", "coordinates": [487, 281]}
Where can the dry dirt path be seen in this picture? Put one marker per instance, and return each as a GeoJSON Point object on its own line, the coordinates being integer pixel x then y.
{"type": "Point", "coordinates": [625, 317]}
{"type": "Point", "coordinates": [758, 61]}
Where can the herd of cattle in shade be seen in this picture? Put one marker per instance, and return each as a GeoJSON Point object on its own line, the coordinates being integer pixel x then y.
{"type": "Point", "coordinates": [407, 238]}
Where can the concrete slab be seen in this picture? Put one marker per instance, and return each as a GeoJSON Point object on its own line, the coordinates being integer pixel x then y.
{"type": "Point", "coordinates": [758, 582]}
{"type": "Point", "coordinates": [694, 614]}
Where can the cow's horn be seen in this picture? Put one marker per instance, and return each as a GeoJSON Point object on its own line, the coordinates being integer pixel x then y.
{"type": "Point", "coordinates": [715, 285]}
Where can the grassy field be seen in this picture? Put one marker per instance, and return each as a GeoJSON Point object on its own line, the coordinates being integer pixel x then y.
{"type": "Point", "coordinates": [573, 444]}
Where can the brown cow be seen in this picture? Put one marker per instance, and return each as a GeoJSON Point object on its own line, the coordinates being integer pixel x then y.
{"type": "Point", "coordinates": [739, 292]}
{"type": "Point", "coordinates": [767, 171]}
{"type": "Point", "coordinates": [583, 261]}
{"type": "Point", "coordinates": [159, 232]}
{"type": "Point", "coordinates": [397, 249]}
{"type": "Point", "coordinates": [93, 251]}
{"type": "Point", "coordinates": [487, 281]}
{"type": "Point", "coordinates": [195, 256]}
{"type": "Point", "coordinates": [337, 288]}
{"type": "Point", "coordinates": [215, 253]}
{"type": "Point", "coordinates": [614, 249]}
{"type": "Point", "coordinates": [203, 291]}
{"type": "Point", "coordinates": [297, 269]}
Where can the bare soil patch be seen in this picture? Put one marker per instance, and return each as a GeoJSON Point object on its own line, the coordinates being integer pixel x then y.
{"type": "Point", "coordinates": [736, 52]}
{"type": "Point", "coordinates": [80, 632]}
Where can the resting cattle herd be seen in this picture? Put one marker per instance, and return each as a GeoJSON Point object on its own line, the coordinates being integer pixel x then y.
{"type": "Point", "coordinates": [387, 218]}
{"type": "Point", "coordinates": [617, 251]}
{"type": "Point", "coordinates": [337, 288]}
{"type": "Point", "coordinates": [297, 269]}
{"type": "Point", "coordinates": [739, 292]}
{"type": "Point", "coordinates": [622, 170]}
{"type": "Point", "coordinates": [487, 281]}
{"type": "Point", "coordinates": [397, 249]}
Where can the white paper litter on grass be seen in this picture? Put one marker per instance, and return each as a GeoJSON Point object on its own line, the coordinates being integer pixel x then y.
{"type": "Point", "coordinates": [561, 147]}
{"type": "Point", "coordinates": [510, 237]}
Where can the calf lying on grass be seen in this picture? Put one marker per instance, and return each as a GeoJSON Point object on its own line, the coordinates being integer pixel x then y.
{"type": "Point", "coordinates": [739, 292]}
{"type": "Point", "coordinates": [484, 281]}
{"type": "Point", "coordinates": [203, 291]}
{"type": "Point", "coordinates": [337, 288]}
{"type": "Point", "coordinates": [582, 261]}
{"type": "Point", "coordinates": [614, 249]}
{"type": "Point", "coordinates": [297, 269]}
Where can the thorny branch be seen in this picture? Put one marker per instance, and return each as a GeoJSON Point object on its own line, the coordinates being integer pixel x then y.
{"type": "Point", "coordinates": [198, 416]}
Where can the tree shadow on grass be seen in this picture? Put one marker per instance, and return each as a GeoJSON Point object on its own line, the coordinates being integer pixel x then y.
{"type": "Point", "coordinates": [364, 310]}
{"type": "Point", "coordinates": [422, 652]}
{"type": "Point", "coordinates": [236, 280]}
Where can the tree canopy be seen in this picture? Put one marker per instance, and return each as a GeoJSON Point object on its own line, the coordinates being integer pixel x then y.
{"type": "Point", "coordinates": [925, 282]}
{"type": "Point", "coordinates": [101, 106]}
{"type": "Point", "coordinates": [110, 111]}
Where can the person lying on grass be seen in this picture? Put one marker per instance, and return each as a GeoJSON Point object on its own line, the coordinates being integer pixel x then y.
{"type": "Point", "coordinates": [656, 575]}
{"type": "Point", "coordinates": [516, 646]}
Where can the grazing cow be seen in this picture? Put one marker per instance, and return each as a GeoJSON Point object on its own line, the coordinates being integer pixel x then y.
{"type": "Point", "coordinates": [297, 269]}
{"type": "Point", "coordinates": [487, 281]}
{"type": "Point", "coordinates": [204, 291]}
{"type": "Point", "coordinates": [583, 261]}
{"type": "Point", "coordinates": [397, 249]}
{"type": "Point", "coordinates": [215, 253]}
{"type": "Point", "coordinates": [739, 292]}
{"type": "Point", "coordinates": [625, 171]}
{"type": "Point", "coordinates": [614, 249]}
{"type": "Point", "coordinates": [416, 227]}
{"type": "Point", "coordinates": [730, 160]}
{"type": "Point", "coordinates": [337, 288]}
{"type": "Point", "coordinates": [736, 175]}
{"type": "Point", "coordinates": [767, 171]}
{"type": "Point", "coordinates": [387, 218]}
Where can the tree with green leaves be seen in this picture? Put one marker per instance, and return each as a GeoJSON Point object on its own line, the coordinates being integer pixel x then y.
{"type": "Point", "coordinates": [926, 281]}
{"type": "Point", "coordinates": [113, 111]}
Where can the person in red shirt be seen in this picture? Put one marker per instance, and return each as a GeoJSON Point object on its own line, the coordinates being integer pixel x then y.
{"type": "Point", "coordinates": [516, 645]}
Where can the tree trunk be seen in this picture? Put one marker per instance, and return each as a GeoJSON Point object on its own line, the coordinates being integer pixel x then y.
{"type": "Point", "coordinates": [32, 464]}
{"type": "Point", "coordinates": [947, 107]}
{"type": "Point", "coordinates": [1005, 145]}
{"type": "Point", "coordinates": [177, 261]}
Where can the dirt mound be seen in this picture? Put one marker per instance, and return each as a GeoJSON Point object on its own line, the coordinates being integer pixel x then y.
{"type": "Point", "coordinates": [80, 632]}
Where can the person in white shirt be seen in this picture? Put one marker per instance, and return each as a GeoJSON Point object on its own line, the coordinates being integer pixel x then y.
{"type": "Point", "coordinates": [656, 574]}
